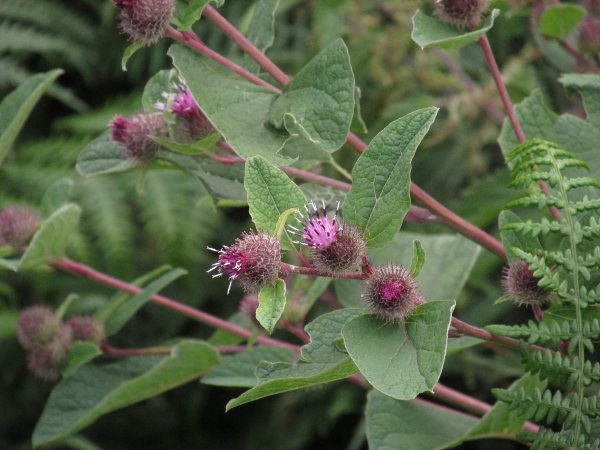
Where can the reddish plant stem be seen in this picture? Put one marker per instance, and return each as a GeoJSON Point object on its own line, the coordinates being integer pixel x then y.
{"type": "Point", "coordinates": [582, 62]}
{"type": "Point", "coordinates": [537, 312]}
{"type": "Point", "coordinates": [450, 219]}
{"type": "Point", "coordinates": [296, 330]}
{"type": "Point", "coordinates": [286, 269]}
{"type": "Point", "coordinates": [82, 270]}
{"type": "Point", "coordinates": [484, 43]}
{"type": "Point", "coordinates": [195, 43]}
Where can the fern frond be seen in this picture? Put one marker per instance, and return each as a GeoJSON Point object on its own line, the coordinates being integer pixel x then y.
{"type": "Point", "coordinates": [540, 200]}
{"type": "Point", "coordinates": [535, 333]}
{"type": "Point", "coordinates": [543, 227]}
{"type": "Point", "coordinates": [585, 204]}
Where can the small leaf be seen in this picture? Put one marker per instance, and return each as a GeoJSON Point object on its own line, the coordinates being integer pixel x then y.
{"type": "Point", "coordinates": [101, 156]}
{"type": "Point", "coordinates": [96, 390]}
{"type": "Point", "coordinates": [128, 53]}
{"type": "Point", "coordinates": [126, 310]}
{"type": "Point", "coordinates": [431, 32]}
{"type": "Point", "coordinates": [418, 259]}
{"type": "Point", "coordinates": [154, 89]}
{"type": "Point", "coordinates": [51, 240]}
{"type": "Point", "coordinates": [271, 301]}
{"type": "Point", "coordinates": [238, 370]}
{"type": "Point", "coordinates": [408, 425]}
{"type": "Point", "coordinates": [280, 225]}
{"type": "Point", "coordinates": [270, 194]}
{"type": "Point", "coordinates": [8, 323]}
{"type": "Point", "coordinates": [192, 12]}
{"type": "Point", "coordinates": [261, 31]}
{"type": "Point", "coordinates": [380, 194]}
{"type": "Point", "coordinates": [56, 196]}
{"type": "Point", "coordinates": [557, 21]}
{"type": "Point", "coordinates": [401, 360]}
{"type": "Point", "coordinates": [16, 107]}
{"type": "Point", "coordinates": [318, 103]}
{"type": "Point", "coordinates": [358, 125]}
{"type": "Point", "coordinates": [200, 147]}
{"type": "Point", "coordinates": [80, 353]}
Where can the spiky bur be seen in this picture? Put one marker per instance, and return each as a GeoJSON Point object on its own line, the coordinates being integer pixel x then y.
{"type": "Point", "coordinates": [460, 13]}
{"type": "Point", "coordinates": [391, 293]}
{"type": "Point", "coordinates": [521, 286]}
{"type": "Point", "coordinates": [85, 328]}
{"type": "Point", "coordinates": [134, 136]}
{"type": "Point", "coordinates": [190, 123]}
{"type": "Point", "coordinates": [144, 21]}
{"type": "Point", "coordinates": [17, 225]}
{"type": "Point", "coordinates": [336, 247]}
{"type": "Point", "coordinates": [37, 326]}
{"type": "Point", "coordinates": [253, 261]}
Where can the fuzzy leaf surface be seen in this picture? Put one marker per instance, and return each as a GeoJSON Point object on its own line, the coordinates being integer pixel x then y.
{"type": "Point", "coordinates": [401, 361]}
{"type": "Point", "coordinates": [404, 425]}
{"type": "Point", "coordinates": [318, 103]}
{"type": "Point", "coordinates": [380, 194]}
{"type": "Point", "coordinates": [237, 108]}
{"type": "Point", "coordinates": [431, 32]}
{"type": "Point", "coordinates": [101, 156]}
{"type": "Point", "coordinates": [95, 390]}
{"type": "Point", "coordinates": [322, 361]}
{"type": "Point", "coordinates": [271, 304]}
{"type": "Point", "coordinates": [16, 107]}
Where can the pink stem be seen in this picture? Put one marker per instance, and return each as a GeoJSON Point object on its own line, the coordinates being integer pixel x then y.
{"type": "Point", "coordinates": [69, 265]}
{"type": "Point", "coordinates": [582, 62]}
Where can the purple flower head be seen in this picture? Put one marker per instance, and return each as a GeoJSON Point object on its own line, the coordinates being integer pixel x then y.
{"type": "Point", "coordinates": [253, 261]}
{"type": "Point", "coordinates": [48, 360]}
{"type": "Point", "coordinates": [336, 246]}
{"type": "Point", "coordinates": [144, 21]}
{"type": "Point", "coordinates": [392, 293]}
{"type": "Point", "coordinates": [521, 286]}
{"type": "Point", "coordinates": [37, 326]}
{"type": "Point", "coordinates": [85, 328]}
{"type": "Point", "coordinates": [460, 13]}
{"type": "Point", "coordinates": [134, 136]}
{"type": "Point", "coordinates": [17, 225]}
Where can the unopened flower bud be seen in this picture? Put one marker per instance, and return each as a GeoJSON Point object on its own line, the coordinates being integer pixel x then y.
{"type": "Point", "coordinates": [47, 361]}
{"type": "Point", "coordinates": [37, 326]}
{"type": "Point", "coordinates": [253, 260]}
{"type": "Point", "coordinates": [391, 293]}
{"type": "Point", "coordinates": [521, 286]}
{"type": "Point", "coordinates": [134, 136]}
{"type": "Point", "coordinates": [460, 13]}
{"type": "Point", "coordinates": [144, 21]}
{"type": "Point", "coordinates": [17, 225]}
{"type": "Point", "coordinates": [336, 246]}
{"type": "Point", "coordinates": [85, 328]}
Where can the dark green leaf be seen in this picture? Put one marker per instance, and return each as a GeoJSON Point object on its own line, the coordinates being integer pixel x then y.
{"type": "Point", "coordinates": [101, 156]}
{"type": "Point", "coordinates": [80, 353]}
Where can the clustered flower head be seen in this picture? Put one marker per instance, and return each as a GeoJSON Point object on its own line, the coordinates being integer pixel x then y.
{"type": "Point", "coordinates": [134, 136]}
{"type": "Point", "coordinates": [391, 293]}
{"type": "Point", "coordinates": [190, 123]}
{"type": "Point", "coordinates": [48, 340]}
{"type": "Point", "coordinates": [521, 286]}
{"type": "Point", "coordinates": [253, 261]}
{"type": "Point", "coordinates": [460, 13]}
{"type": "Point", "coordinates": [17, 225]}
{"type": "Point", "coordinates": [336, 247]}
{"type": "Point", "coordinates": [144, 21]}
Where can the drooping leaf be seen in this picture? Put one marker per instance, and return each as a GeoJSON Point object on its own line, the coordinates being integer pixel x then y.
{"type": "Point", "coordinates": [401, 360]}
{"type": "Point", "coordinates": [557, 21]}
{"type": "Point", "coordinates": [418, 259]}
{"type": "Point", "coordinates": [380, 194]}
{"type": "Point", "coordinates": [261, 31]}
{"type": "Point", "coordinates": [322, 361]}
{"type": "Point", "coordinates": [52, 238]}
{"type": "Point", "coordinates": [431, 32]}
{"type": "Point", "coordinates": [128, 53]}
{"type": "Point", "coordinates": [318, 103]}
{"type": "Point", "coordinates": [237, 108]}
{"type": "Point", "coordinates": [16, 107]}
{"type": "Point", "coordinates": [95, 390]}
{"type": "Point", "coordinates": [238, 370]}
{"type": "Point", "coordinates": [271, 304]}
{"type": "Point", "coordinates": [408, 425]}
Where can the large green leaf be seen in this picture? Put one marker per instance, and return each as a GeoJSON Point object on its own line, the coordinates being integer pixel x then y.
{"type": "Point", "coordinates": [318, 103]}
{"type": "Point", "coordinates": [261, 31]}
{"type": "Point", "coordinates": [16, 107]}
{"type": "Point", "coordinates": [401, 360]}
{"type": "Point", "coordinates": [557, 21]}
{"type": "Point", "coordinates": [450, 259]}
{"type": "Point", "coordinates": [322, 361]}
{"type": "Point", "coordinates": [236, 107]}
{"type": "Point", "coordinates": [407, 425]}
{"type": "Point", "coordinates": [380, 193]}
{"type": "Point", "coordinates": [271, 304]}
{"type": "Point", "coordinates": [431, 32]}
{"type": "Point", "coordinates": [51, 240]}
{"type": "Point", "coordinates": [270, 194]}
{"type": "Point", "coordinates": [238, 370]}
{"type": "Point", "coordinates": [95, 390]}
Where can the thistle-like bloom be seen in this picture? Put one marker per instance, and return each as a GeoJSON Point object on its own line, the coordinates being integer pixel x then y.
{"type": "Point", "coordinates": [37, 326]}
{"type": "Point", "coordinates": [134, 136]}
{"type": "Point", "coordinates": [253, 261]}
{"type": "Point", "coordinates": [392, 293]}
{"type": "Point", "coordinates": [85, 328]}
{"type": "Point", "coordinates": [17, 225]}
{"type": "Point", "coordinates": [336, 246]}
{"type": "Point", "coordinates": [460, 13]}
{"type": "Point", "coordinates": [144, 21]}
{"type": "Point", "coordinates": [47, 361]}
{"type": "Point", "coordinates": [521, 286]}
{"type": "Point", "coordinates": [190, 123]}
